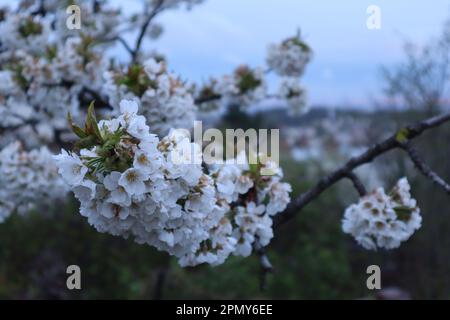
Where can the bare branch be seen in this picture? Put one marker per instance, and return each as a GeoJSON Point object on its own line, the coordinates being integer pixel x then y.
{"type": "Point", "coordinates": [160, 282]}
{"type": "Point", "coordinates": [121, 41]}
{"type": "Point", "coordinates": [28, 122]}
{"type": "Point", "coordinates": [265, 264]}
{"type": "Point", "coordinates": [87, 95]}
{"type": "Point", "coordinates": [424, 168]}
{"type": "Point", "coordinates": [125, 45]}
{"type": "Point", "coordinates": [156, 9]}
{"type": "Point", "coordinates": [208, 99]}
{"type": "Point", "coordinates": [357, 183]}
{"type": "Point", "coordinates": [393, 142]}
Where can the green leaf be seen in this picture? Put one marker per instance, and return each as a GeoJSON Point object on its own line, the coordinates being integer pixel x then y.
{"type": "Point", "coordinates": [88, 142]}
{"type": "Point", "coordinates": [91, 123]}
{"type": "Point", "coordinates": [403, 213]}
{"type": "Point", "coordinates": [298, 42]}
{"type": "Point", "coordinates": [253, 167]}
{"type": "Point", "coordinates": [77, 130]}
{"type": "Point", "coordinates": [248, 81]}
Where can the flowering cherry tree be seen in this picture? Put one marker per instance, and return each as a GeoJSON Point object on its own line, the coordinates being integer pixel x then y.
{"type": "Point", "coordinates": [122, 164]}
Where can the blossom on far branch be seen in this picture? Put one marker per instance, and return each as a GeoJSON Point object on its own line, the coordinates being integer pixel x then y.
{"type": "Point", "coordinates": [248, 86]}
{"type": "Point", "coordinates": [381, 220]}
{"type": "Point", "coordinates": [294, 94]}
{"type": "Point", "coordinates": [243, 87]}
{"type": "Point", "coordinates": [290, 57]}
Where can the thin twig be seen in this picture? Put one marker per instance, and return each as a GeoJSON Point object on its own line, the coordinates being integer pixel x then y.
{"type": "Point", "coordinates": [94, 95]}
{"type": "Point", "coordinates": [410, 132]}
{"type": "Point", "coordinates": [121, 40]}
{"type": "Point", "coordinates": [265, 264]}
{"type": "Point", "coordinates": [158, 292]}
{"type": "Point", "coordinates": [424, 168]}
{"type": "Point", "coordinates": [208, 99]}
{"type": "Point", "coordinates": [28, 122]}
{"type": "Point", "coordinates": [357, 183]}
{"type": "Point", "coordinates": [156, 9]}
{"type": "Point", "coordinates": [125, 45]}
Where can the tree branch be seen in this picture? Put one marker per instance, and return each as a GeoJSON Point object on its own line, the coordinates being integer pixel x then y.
{"type": "Point", "coordinates": [95, 96]}
{"type": "Point", "coordinates": [86, 95]}
{"type": "Point", "coordinates": [121, 40]}
{"type": "Point", "coordinates": [393, 142]}
{"type": "Point", "coordinates": [158, 292]}
{"type": "Point", "coordinates": [156, 9]}
{"type": "Point", "coordinates": [29, 122]}
{"type": "Point", "coordinates": [208, 99]}
{"type": "Point", "coordinates": [264, 262]}
{"type": "Point", "coordinates": [424, 168]}
{"type": "Point", "coordinates": [357, 183]}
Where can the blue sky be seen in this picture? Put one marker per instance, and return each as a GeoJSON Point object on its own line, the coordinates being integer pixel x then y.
{"type": "Point", "coordinates": [218, 35]}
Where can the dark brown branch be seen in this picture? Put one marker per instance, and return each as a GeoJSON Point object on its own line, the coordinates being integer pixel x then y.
{"type": "Point", "coordinates": [217, 96]}
{"type": "Point", "coordinates": [158, 292]}
{"type": "Point", "coordinates": [40, 9]}
{"type": "Point", "coordinates": [357, 183]}
{"type": "Point", "coordinates": [208, 98]}
{"type": "Point", "coordinates": [424, 168]}
{"type": "Point", "coordinates": [30, 122]}
{"type": "Point", "coordinates": [87, 95]}
{"type": "Point", "coordinates": [265, 264]}
{"type": "Point", "coordinates": [121, 41]}
{"type": "Point", "coordinates": [125, 45]}
{"type": "Point", "coordinates": [393, 142]}
{"type": "Point", "coordinates": [156, 9]}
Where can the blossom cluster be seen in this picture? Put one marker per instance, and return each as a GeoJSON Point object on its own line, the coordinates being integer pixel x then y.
{"type": "Point", "coordinates": [243, 87]}
{"type": "Point", "coordinates": [48, 70]}
{"type": "Point", "coordinates": [251, 201]}
{"type": "Point", "coordinates": [248, 86]}
{"type": "Point", "coordinates": [26, 176]}
{"type": "Point", "coordinates": [381, 220]}
{"type": "Point", "coordinates": [289, 58]}
{"type": "Point", "coordinates": [164, 99]}
{"type": "Point", "coordinates": [45, 72]}
{"type": "Point", "coordinates": [132, 184]}
{"type": "Point", "coordinates": [294, 95]}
